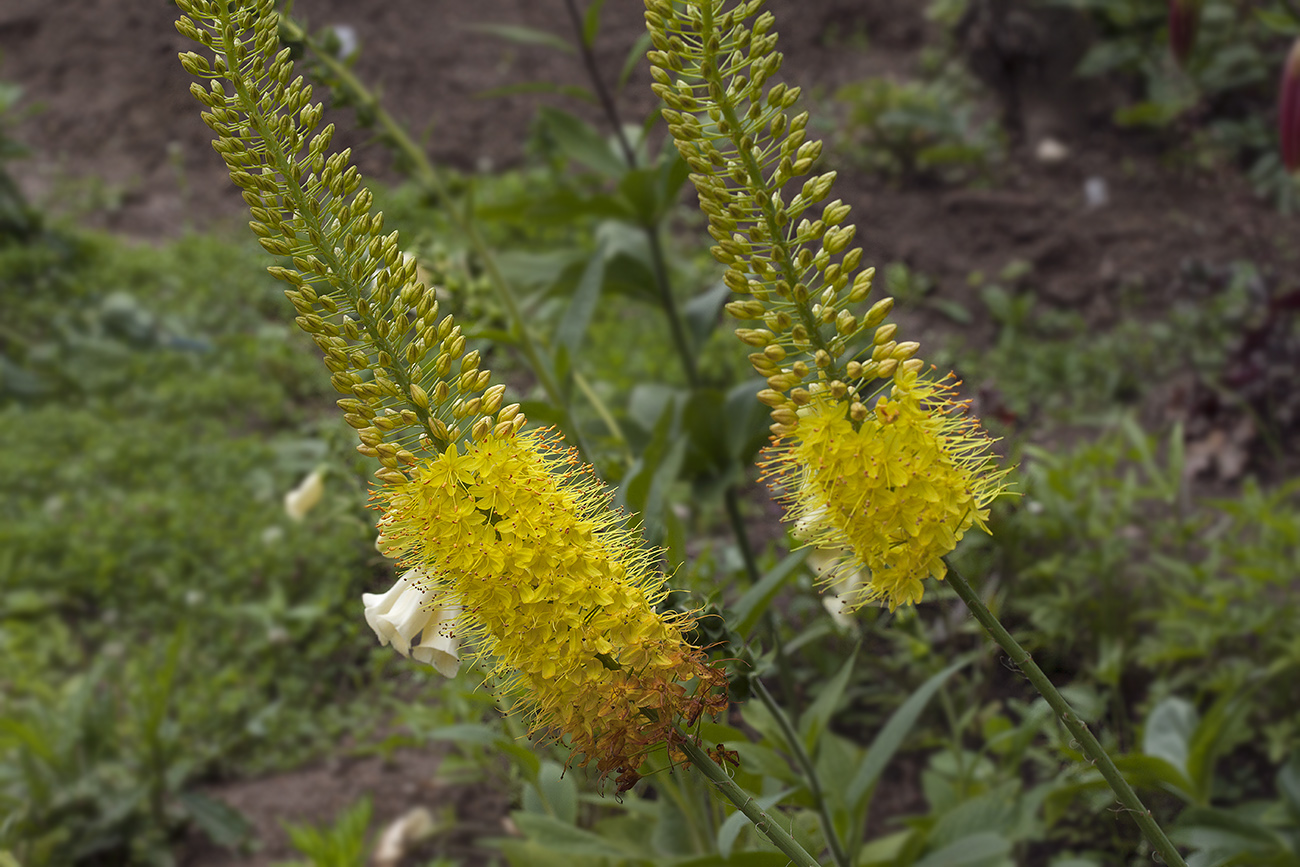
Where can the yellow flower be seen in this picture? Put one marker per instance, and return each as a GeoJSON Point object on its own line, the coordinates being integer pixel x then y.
{"type": "Point", "coordinates": [557, 595]}
{"type": "Point", "coordinates": [893, 493]}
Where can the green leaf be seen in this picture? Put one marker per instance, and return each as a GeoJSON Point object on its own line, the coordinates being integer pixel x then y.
{"type": "Point", "coordinates": [1288, 782]}
{"type": "Point", "coordinates": [633, 59]}
{"type": "Point", "coordinates": [1231, 836]}
{"type": "Point", "coordinates": [746, 421]}
{"type": "Point", "coordinates": [700, 418]}
{"type": "Point", "coordinates": [671, 835]}
{"type": "Point", "coordinates": [645, 489]}
{"type": "Point", "coordinates": [978, 850]}
{"type": "Point", "coordinates": [1168, 733]}
{"type": "Point", "coordinates": [701, 313]}
{"type": "Point", "coordinates": [577, 316]}
{"type": "Point", "coordinates": [892, 735]}
{"type": "Point", "coordinates": [1220, 730]}
{"type": "Point", "coordinates": [591, 22]}
{"type": "Point", "coordinates": [553, 794]}
{"type": "Point", "coordinates": [737, 859]}
{"type": "Point", "coordinates": [1278, 21]}
{"type": "Point", "coordinates": [522, 35]}
{"type": "Point", "coordinates": [581, 143]}
{"type": "Point", "coordinates": [640, 188]}
{"type": "Point", "coordinates": [465, 733]}
{"type": "Point", "coordinates": [223, 824]}
{"type": "Point", "coordinates": [743, 616]}
{"type": "Point", "coordinates": [885, 851]}
{"type": "Point", "coordinates": [564, 837]}
{"type": "Point", "coordinates": [814, 720]}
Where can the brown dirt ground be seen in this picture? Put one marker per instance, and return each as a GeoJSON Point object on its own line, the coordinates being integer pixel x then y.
{"type": "Point", "coordinates": [118, 142]}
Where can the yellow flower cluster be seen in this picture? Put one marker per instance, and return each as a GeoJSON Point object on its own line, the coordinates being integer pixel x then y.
{"type": "Point", "coordinates": [892, 492]}
{"type": "Point", "coordinates": [557, 595]}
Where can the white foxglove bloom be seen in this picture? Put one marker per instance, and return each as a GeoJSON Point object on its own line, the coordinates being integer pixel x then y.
{"type": "Point", "coordinates": [440, 647]}
{"type": "Point", "coordinates": [302, 499]}
{"type": "Point", "coordinates": [837, 597]}
{"type": "Point", "coordinates": [407, 610]}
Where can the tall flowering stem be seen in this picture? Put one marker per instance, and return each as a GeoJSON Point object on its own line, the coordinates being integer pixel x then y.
{"type": "Point", "coordinates": [874, 459]}
{"type": "Point", "coordinates": [886, 477]}
{"type": "Point", "coordinates": [1088, 743]}
{"type": "Point", "coordinates": [508, 542]}
{"type": "Point", "coordinates": [766, 825]}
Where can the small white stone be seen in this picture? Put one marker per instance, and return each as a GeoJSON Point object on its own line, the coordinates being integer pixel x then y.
{"type": "Point", "coordinates": [1051, 152]}
{"type": "Point", "coordinates": [1096, 192]}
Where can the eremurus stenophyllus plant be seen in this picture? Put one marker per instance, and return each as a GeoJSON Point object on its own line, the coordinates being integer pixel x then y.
{"type": "Point", "coordinates": [875, 458]}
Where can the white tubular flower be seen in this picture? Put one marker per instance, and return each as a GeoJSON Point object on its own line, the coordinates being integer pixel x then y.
{"type": "Point", "coordinates": [302, 499]}
{"type": "Point", "coordinates": [400, 614]}
{"type": "Point", "coordinates": [840, 586]}
{"type": "Point", "coordinates": [440, 646]}
{"type": "Point", "coordinates": [407, 610]}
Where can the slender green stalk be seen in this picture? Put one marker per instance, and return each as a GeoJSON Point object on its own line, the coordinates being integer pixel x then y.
{"type": "Point", "coordinates": [763, 823]}
{"type": "Point", "coordinates": [1077, 727]}
{"type": "Point", "coordinates": [795, 745]}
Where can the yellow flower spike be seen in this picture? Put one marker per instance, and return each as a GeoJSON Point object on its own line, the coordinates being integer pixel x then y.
{"type": "Point", "coordinates": [557, 596]}
{"type": "Point", "coordinates": [892, 493]}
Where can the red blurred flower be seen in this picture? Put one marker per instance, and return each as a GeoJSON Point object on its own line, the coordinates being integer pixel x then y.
{"type": "Point", "coordinates": [1184, 21]}
{"type": "Point", "coordinates": [1288, 110]}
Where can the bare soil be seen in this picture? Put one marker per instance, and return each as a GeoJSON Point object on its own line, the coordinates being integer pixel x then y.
{"type": "Point", "coordinates": [117, 141]}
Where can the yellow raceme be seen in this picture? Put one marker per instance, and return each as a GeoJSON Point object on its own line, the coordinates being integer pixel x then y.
{"type": "Point", "coordinates": [892, 493]}
{"type": "Point", "coordinates": [556, 594]}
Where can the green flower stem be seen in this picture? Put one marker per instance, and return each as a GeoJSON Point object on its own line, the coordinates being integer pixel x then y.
{"type": "Point", "coordinates": [742, 534]}
{"type": "Point", "coordinates": [430, 179]}
{"type": "Point", "coordinates": [765, 824]}
{"type": "Point", "coordinates": [1077, 727]}
{"type": "Point", "coordinates": [669, 304]}
{"type": "Point", "coordinates": [658, 264]}
{"type": "Point", "coordinates": [731, 499]}
{"type": "Point", "coordinates": [795, 745]}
